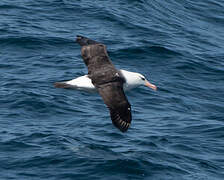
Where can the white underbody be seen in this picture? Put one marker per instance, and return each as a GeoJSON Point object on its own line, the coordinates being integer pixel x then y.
{"type": "Point", "coordinates": [84, 82]}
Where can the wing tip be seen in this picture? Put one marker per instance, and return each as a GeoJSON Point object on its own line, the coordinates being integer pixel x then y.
{"type": "Point", "coordinates": [84, 41]}
{"type": "Point", "coordinates": [122, 125]}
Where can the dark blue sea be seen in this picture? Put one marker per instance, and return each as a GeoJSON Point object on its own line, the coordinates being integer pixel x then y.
{"type": "Point", "coordinates": [177, 132]}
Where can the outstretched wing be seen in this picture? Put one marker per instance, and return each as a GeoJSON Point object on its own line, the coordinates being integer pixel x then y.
{"type": "Point", "coordinates": [106, 78]}
{"type": "Point", "coordinates": [95, 57]}
{"type": "Point", "coordinates": [116, 101]}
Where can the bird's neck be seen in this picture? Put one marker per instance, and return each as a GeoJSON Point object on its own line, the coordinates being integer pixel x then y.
{"type": "Point", "coordinates": [131, 80]}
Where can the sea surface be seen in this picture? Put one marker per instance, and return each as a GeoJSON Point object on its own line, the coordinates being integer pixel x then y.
{"type": "Point", "coordinates": [177, 132]}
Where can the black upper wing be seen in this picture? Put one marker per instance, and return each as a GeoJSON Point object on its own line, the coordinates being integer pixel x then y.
{"type": "Point", "coordinates": [115, 99]}
{"type": "Point", "coordinates": [107, 80]}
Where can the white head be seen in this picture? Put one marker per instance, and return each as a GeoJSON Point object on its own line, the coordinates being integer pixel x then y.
{"type": "Point", "coordinates": [136, 79]}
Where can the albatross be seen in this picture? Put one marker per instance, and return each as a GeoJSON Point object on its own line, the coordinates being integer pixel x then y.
{"type": "Point", "coordinates": [108, 81]}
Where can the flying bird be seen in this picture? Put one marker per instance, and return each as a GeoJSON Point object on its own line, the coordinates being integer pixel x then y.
{"type": "Point", "coordinates": [105, 79]}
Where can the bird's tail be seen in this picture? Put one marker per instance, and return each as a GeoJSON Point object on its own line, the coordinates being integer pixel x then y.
{"type": "Point", "coordinates": [62, 85]}
{"type": "Point", "coordinates": [84, 41]}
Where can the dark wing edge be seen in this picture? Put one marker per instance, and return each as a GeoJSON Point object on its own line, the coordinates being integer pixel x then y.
{"type": "Point", "coordinates": [84, 41]}
{"type": "Point", "coordinates": [121, 118]}
{"type": "Point", "coordinates": [116, 101]}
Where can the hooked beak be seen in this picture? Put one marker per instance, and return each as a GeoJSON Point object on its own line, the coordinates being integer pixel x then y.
{"type": "Point", "coordinates": [148, 84]}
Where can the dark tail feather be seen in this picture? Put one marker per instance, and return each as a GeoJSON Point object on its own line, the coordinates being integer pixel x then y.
{"type": "Point", "coordinates": [83, 41]}
{"type": "Point", "coordinates": [61, 85]}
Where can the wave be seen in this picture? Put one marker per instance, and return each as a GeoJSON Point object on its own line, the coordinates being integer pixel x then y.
{"type": "Point", "coordinates": [32, 41]}
{"type": "Point", "coordinates": [144, 51]}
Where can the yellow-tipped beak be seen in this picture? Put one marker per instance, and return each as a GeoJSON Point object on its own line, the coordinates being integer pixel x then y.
{"type": "Point", "coordinates": [148, 84]}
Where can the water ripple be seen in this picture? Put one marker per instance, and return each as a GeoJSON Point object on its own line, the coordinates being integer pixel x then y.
{"type": "Point", "coordinates": [49, 133]}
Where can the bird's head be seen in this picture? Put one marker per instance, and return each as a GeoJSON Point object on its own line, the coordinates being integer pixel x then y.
{"type": "Point", "coordinates": [134, 79]}
{"type": "Point", "coordinates": [143, 81]}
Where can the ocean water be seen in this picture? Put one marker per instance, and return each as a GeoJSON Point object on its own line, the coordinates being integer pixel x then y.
{"type": "Point", "coordinates": [176, 132]}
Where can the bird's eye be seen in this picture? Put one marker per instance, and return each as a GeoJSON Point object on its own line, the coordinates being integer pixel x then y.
{"type": "Point", "coordinates": [143, 78]}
